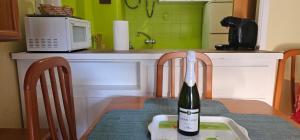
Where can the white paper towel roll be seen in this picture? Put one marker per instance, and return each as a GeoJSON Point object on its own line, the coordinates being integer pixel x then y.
{"type": "Point", "coordinates": [121, 35]}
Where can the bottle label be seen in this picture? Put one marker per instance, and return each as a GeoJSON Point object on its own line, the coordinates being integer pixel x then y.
{"type": "Point", "coordinates": [188, 119]}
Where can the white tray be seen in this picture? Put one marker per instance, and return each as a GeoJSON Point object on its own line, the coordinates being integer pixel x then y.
{"type": "Point", "coordinates": [220, 128]}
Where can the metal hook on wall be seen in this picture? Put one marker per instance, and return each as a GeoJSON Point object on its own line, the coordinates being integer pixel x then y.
{"type": "Point", "coordinates": [149, 13]}
{"type": "Point", "coordinates": [132, 7]}
{"type": "Point", "coordinates": [152, 10]}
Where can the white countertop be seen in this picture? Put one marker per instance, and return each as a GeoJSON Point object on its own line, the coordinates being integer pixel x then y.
{"type": "Point", "coordinates": [144, 54]}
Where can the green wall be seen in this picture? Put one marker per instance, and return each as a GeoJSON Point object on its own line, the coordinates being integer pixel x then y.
{"type": "Point", "coordinates": [104, 15]}
{"type": "Point", "coordinates": [173, 25]}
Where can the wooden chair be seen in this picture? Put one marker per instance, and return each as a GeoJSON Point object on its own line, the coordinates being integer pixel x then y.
{"type": "Point", "coordinates": [280, 78]}
{"type": "Point", "coordinates": [37, 72]}
{"type": "Point", "coordinates": [172, 56]}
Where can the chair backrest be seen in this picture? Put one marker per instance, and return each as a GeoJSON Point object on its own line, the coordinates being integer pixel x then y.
{"type": "Point", "coordinates": [172, 57]}
{"type": "Point", "coordinates": [280, 78]}
{"type": "Point", "coordinates": [57, 67]}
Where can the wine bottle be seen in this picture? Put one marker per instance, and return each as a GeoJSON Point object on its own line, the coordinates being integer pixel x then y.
{"type": "Point", "coordinates": [189, 101]}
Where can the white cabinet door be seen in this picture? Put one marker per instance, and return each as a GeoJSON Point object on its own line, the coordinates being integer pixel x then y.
{"type": "Point", "coordinates": [240, 82]}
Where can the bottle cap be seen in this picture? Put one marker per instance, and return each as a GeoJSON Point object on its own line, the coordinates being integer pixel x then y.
{"type": "Point", "coordinates": [191, 56]}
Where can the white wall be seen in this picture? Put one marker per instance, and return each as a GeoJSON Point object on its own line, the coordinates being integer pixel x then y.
{"type": "Point", "coordinates": [283, 24]}
{"type": "Point", "coordinates": [9, 88]}
{"type": "Point", "coordinates": [283, 33]}
{"type": "Point", "coordinates": [283, 30]}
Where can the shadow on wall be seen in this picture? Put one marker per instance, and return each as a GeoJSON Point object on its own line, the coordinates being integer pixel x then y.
{"type": "Point", "coordinates": [288, 46]}
{"type": "Point", "coordinates": [285, 105]}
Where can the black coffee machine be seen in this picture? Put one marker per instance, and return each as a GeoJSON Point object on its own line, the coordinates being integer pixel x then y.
{"type": "Point", "coordinates": [242, 34]}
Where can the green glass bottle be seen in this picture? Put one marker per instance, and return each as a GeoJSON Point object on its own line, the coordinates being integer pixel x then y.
{"type": "Point", "coordinates": [189, 101]}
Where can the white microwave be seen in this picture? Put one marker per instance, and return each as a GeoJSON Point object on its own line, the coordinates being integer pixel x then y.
{"type": "Point", "coordinates": [57, 34]}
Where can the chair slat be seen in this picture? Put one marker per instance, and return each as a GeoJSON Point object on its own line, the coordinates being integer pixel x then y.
{"type": "Point", "coordinates": [159, 79]}
{"type": "Point", "coordinates": [57, 104]}
{"type": "Point", "coordinates": [63, 91]}
{"type": "Point", "coordinates": [292, 82]}
{"type": "Point", "coordinates": [172, 80]}
{"type": "Point", "coordinates": [48, 106]}
{"type": "Point", "coordinates": [278, 87]}
{"type": "Point", "coordinates": [207, 77]}
{"type": "Point", "coordinates": [66, 99]}
{"type": "Point", "coordinates": [196, 67]}
{"type": "Point", "coordinates": [68, 83]}
{"type": "Point", "coordinates": [183, 70]}
{"type": "Point", "coordinates": [31, 114]}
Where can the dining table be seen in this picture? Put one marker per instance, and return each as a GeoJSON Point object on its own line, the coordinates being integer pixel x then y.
{"type": "Point", "coordinates": [254, 114]}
